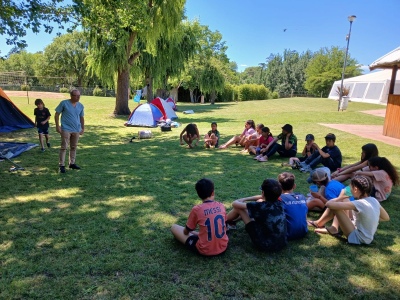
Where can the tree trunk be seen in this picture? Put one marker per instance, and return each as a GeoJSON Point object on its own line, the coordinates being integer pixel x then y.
{"type": "Point", "coordinates": [150, 95]}
{"type": "Point", "coordinates": [213, 96]}
{"type": "Point", "coordinates": [121, 104]}
{"type": "Point", "coordinates": [191, 95]}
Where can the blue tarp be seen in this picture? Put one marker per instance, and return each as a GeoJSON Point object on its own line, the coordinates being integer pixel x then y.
{"type": "Point", "coordinates": [11, 150]}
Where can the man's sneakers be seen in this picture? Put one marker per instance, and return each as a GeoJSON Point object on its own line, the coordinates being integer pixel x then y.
{"type": "Point", "coordinates": [74, 167]}
{"type": "Point", "coordinates": [71, 166]}
{"type": "Point", "coordinates": [48, 145]}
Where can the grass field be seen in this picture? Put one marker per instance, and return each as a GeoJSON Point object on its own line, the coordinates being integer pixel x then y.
{"type": "Point", "coordinates": [103, 232]}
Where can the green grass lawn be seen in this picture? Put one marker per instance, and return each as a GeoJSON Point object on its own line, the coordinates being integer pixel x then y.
{"type": "Point", "coordinates": [103, 232]}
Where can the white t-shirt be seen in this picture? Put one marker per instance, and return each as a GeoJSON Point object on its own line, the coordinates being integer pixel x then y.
{"type": "Point", "coordinates": [366, 218]}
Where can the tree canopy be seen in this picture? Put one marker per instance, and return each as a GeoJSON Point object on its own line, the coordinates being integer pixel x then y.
{"type": "Point", "coordinates": [18, 16]}
{"type": "Point", "coordinates": [326, 67]}
{"type": "Point", "coordinates": [66, 56]}
{"type": "Point", "coordinates": [115, 28]}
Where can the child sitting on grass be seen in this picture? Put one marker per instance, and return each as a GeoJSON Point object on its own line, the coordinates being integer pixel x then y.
{"type": "Point", "coordinates": [295, 207]}
{"type": "Point", "coordinates": [366, 211]}
{"type": "Point", "coordinates": [383, 176]}
{"type": "Point", "coordinates": [265, 139]}
{"type": "Point", "coordinates": [211, 239]}
{"type": "Point", "coordinates": [367, 151]}
{"type": "Point", "coordinates": [253, 139]}
{"type": "Point", "coordinates": [249, 129]}
{"type": "Point", "coordinates": [308, 150]}
{"type": "Point", "coordinates": [264, 217]}
{"type": "Point", "coordinates": [212, 137]}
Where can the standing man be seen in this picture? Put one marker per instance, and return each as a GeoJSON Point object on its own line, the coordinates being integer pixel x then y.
{"type": "Point", "coordinates": [72, 126]}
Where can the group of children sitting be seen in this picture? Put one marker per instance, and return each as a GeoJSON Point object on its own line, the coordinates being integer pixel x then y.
{"type": "Point", "coordinates": [279, 214]}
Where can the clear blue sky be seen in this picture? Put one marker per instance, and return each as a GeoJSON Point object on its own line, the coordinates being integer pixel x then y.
{"type": "Point", "coordinates": [254, 29]}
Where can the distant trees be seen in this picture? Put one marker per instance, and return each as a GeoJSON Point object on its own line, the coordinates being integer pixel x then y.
{"type": "Point", "coordinates": [286, 73]}
{"type": "Point", "coordinates": [66, 57]}
{"type": "Point", "coordinates": [209, 67]}
{"type": "Point", "coordinates": [326, 67]}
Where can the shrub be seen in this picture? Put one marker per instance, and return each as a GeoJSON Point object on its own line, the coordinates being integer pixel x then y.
{"type": "Point", "coordinates": [228, 94]}
{"type": "Point", "coordinates": [253, 92]}
{"type": "Point", "coordinates": [25, 87]}
{"type": "Point", "coordinates": [64, 90]}
{"type": "Point", "coordinates": [98, 92]}
{"type": "Point", "coordinates": [274, 95]}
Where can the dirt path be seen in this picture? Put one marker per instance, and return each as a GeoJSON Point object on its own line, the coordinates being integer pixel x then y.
{"type": "Point", "coordinates": [35, 94]}
{"type": "Point", "coordinates": [373, 132]}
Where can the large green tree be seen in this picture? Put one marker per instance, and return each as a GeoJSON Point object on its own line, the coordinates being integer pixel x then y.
{"type": "Point", "coordinates": [66, 57]}
{"type": "Point", "coordinates": [167, 60]}
{"type": "Point", "coordinates": [18, 16]}
{"type": "Point", "coordinates": [286, 73]}
{"type": "Point", "coordinates": [210, 56]}
{"type": "Point", "coordinates": [115, 28]}
{"type": "Point", "coordinates": [325, 67]}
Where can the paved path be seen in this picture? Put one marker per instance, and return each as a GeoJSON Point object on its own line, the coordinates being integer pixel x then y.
{"type": "Point", "coordinates": [373, 132]}
{"type": "Point", "coordinates": [375, 112]}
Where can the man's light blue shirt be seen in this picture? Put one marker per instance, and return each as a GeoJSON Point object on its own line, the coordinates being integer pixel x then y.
{"type": "Point", "coordinates": [70, 115]}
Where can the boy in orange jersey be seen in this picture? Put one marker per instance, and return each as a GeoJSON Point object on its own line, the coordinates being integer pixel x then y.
{"type": "Point", "coordinates": [211, 239]}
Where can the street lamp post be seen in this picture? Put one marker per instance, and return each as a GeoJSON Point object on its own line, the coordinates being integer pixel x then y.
{"type": "Point", "coordinates": [351, 19]}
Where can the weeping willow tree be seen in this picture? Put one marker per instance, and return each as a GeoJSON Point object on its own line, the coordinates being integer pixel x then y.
{"type": "Point", "coordinates": [168, 59]}
{"type": "Point", "coordinates": [114, 29]}
{"type": "Point", "coordinates": [211, 79]}
{"type": "Point", "coordinates": [205, 70]}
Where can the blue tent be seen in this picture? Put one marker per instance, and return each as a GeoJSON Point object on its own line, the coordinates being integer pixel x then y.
{"type": "Point", "coordinates": [11, 118]}
{"type": "Point", "coordinates": [145, 115]}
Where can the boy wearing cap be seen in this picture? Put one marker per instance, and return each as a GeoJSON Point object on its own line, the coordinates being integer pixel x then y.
{"type": "Point", "coordinates": [264, 217]}
{"type": "Point", "coordinates": [308, 150]}
{"type": "Point", "coordinates": [295, 206]}
{"type": "Point", "coordinates": [330, 156]}
{"type": "Point", "coordinates": [209, 216]}
{"type": "Point", "coordinates": [328, 189]}
{"type": "Point", "coordinates": [287, 148]}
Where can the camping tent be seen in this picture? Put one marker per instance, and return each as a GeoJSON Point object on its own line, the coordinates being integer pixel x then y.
{"type": "Point", "coordinates": [145, 115]}
{"type": "Point", "coordinates": [11, 118]}
{"type": "Point", "coordinates": [172, 103]}
{"type": "Point", "coordinates": [371, 88]}
{"type": "Point", "coordinates": [165, 108]}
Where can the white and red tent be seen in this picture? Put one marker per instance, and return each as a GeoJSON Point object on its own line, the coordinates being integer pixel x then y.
{"type": "Point", "coordinates": [172, 103]}
{"type": "Point", "coordinates": [165, 108]}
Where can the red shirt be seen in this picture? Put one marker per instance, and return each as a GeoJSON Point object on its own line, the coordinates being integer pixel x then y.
{"type": "Point", "coordinates": [265, 141]}
{"type": "Point", "coordinates": [210, 217]}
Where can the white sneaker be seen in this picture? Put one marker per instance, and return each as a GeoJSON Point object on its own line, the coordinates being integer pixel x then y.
{"type": "Point", "coordinates": [263, 159]}
{"type": "Point", "coordinates": [257, 157]}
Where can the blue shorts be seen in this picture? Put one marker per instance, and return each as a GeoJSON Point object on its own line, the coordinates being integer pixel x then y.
{"type": "Point", "coordinates": [43, 130]}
